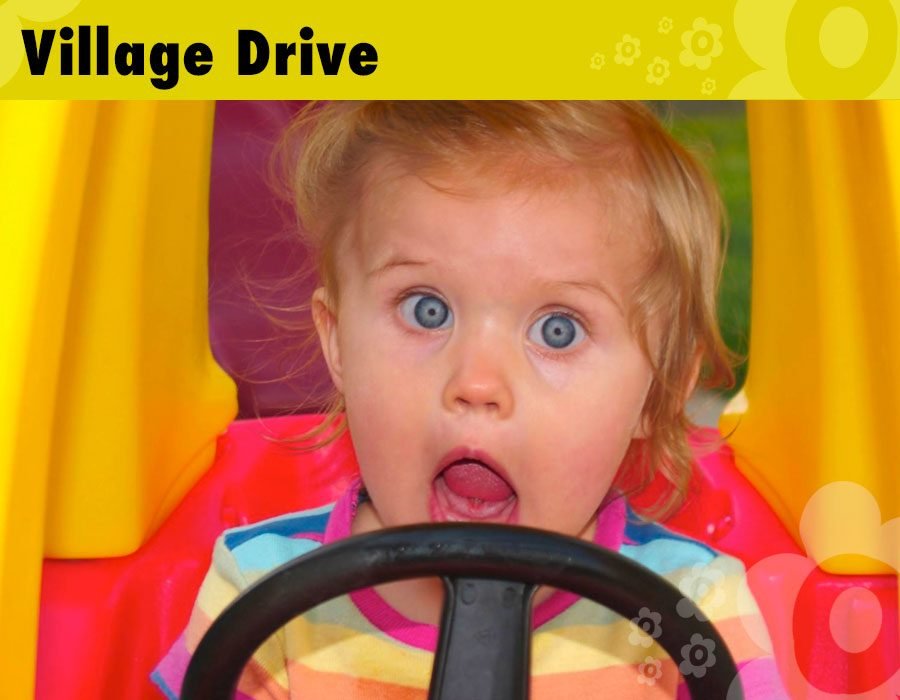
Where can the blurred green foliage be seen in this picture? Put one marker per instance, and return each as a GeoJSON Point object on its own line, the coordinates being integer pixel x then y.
{"type": "Point", "coordinates": [718, 134]}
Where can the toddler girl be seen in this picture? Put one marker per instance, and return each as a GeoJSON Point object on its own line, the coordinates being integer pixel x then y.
{"type": "Point", "coordinates": [516, 301]}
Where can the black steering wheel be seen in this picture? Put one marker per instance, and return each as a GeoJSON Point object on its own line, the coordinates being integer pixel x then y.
{"type": "Point", "coordinates": [490, 573]}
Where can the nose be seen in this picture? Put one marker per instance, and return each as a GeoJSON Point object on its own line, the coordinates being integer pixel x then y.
{"type": "Point", "coordinates": [480, 379]}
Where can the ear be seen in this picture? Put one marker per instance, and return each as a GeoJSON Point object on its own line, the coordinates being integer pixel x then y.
{"type": "Point", "coordinates": [325, 317]}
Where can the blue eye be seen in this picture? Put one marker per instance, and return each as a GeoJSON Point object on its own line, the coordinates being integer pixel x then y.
{"type": "Point", "coordinates": [557, 331]}
{"type": "Point", "coordinates": [426, 311]}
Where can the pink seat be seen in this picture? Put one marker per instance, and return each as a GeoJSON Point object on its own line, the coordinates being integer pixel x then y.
{"type": "Point", "coordinates": [106, 622]}
{"type": "Point", "coordinates": [252, 234]}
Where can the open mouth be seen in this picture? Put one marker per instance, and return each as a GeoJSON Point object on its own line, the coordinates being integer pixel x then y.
{"type": "Point", "coordinates": [469, 488]}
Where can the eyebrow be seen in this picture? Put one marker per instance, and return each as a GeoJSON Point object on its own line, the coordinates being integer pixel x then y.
{"type": "Point", "coordinates": [393, 263]}
{"type": "Point", "coordinates": [591, 286]}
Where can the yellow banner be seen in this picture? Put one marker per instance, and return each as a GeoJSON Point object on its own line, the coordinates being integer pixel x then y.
{"type": "Point", "coordinates": [692, 49]}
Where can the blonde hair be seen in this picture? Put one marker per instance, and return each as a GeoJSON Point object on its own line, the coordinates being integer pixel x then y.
{"type": "Point", "coordinates": [620, 145]}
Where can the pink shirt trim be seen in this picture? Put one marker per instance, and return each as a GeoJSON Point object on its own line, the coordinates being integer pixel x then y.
{"type": "Point", "coordinates": [609, 534]}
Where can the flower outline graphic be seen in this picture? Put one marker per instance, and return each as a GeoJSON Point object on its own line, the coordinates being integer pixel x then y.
{"type": "Point", "coordinates": [697, 656]}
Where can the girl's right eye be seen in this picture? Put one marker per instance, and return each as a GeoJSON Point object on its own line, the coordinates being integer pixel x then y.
{"type": "Point", "coordinates": [426, 311]}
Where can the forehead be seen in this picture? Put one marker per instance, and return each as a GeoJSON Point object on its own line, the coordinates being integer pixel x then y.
{"type": "Point", "coordinates": [562, 224]}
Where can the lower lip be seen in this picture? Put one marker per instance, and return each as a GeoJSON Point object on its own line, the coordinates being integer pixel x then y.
{"type": "Point", "coordinates": [447, 506]}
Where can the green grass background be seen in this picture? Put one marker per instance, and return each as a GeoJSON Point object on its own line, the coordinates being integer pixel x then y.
{"type": "Point", "coordinates": [718, 133]}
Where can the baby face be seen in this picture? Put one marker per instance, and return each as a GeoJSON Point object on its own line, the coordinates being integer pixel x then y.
{"type": "Point", "coordinates": [482, 348]}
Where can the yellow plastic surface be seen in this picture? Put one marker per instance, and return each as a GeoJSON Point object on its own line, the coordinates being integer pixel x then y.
{"type": "Point", "coordinates": [110, 401]}
{"type": "Point", "coordinates": [141, 398]}
{"type": "Point", "coordinates": [822, 399]}
{"type": "Point", "coordinates": [38, 244]}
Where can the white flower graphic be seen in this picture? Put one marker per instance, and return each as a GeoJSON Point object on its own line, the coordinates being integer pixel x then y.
{"type": "Point", "coordinates": [12, 50]}
{"type": "Point", "coordinates": [628, 50]}
{"type": "Point", "coordinates": [804, 49]}
{"type": "Point", "coordinates": [708, 86]}
{"type": "Point", "coordinates": [598, 60]}
{"type": "Point", "coordinates": [650, 671]}
{"type": "Point", "coordinates": [648, 627]}
{"type": "Point", "coordinates": [703, 585]}
{"type": "Point", "coordinates": [665, 25]}
{"type": "Point", "coordinates": [862, 532]}
{"type": "Point", "coordinates": [658, 71]}
{"type": "Point", "coordinates": [701, 44]}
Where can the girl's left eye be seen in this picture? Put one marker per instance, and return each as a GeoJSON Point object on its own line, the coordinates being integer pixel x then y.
{"type": "Point", "coordinates": [557, 331]}
{"type": "Point", "coordinates": [426, 311]}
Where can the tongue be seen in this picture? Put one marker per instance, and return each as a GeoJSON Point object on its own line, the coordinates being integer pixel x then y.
{"type": "Point", "coordinates": [475, 480]}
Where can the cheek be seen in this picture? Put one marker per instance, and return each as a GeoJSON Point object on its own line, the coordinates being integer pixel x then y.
{"type": "Point", "coordinates": [600, 437]}
{"type": "Point", "coordinates": [558, 376]}
{"type": "Point", "coordinates": [384, 402]}
{"type": "Point", "coordinates": [590, 420]}
{"type": "Point", "coordinates": [599, 383]}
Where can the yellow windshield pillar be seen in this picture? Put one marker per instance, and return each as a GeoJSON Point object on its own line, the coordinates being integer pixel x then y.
{"type": "Point", "coordinates": [111, 401]}
{"type": "Point", "coordinates": [818, 421]}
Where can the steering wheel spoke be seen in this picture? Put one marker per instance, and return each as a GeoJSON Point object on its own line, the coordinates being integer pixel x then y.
{"type": "Point", "coordinates": [483, 651]}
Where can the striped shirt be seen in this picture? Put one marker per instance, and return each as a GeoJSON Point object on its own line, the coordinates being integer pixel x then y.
{"type": "Point", "coordinates": [358, 647]}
